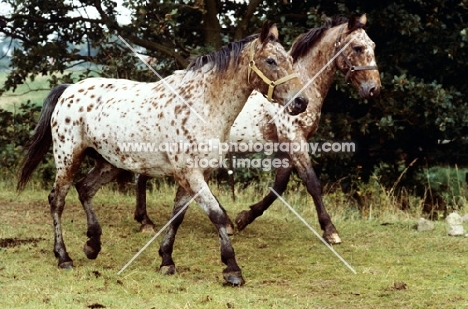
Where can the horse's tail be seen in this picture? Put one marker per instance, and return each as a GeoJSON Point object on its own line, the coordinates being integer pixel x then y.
{"type": "Point", "coordinates": [40, 141]}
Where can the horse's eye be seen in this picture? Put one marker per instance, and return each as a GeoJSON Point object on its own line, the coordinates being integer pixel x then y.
{"type": "Point", "coordinates": [271, 61]}
{"type": "Point", "coordinates": [358, 49]}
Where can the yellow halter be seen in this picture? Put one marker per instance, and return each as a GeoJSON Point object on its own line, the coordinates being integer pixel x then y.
{"type": "Point", "coordinates": [271, 84]}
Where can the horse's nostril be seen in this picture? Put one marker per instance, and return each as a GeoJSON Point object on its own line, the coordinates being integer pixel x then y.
{"type": "Point", "coordinates": [374, 91]}
{"type": "Point", "coordinates": [301, 102]}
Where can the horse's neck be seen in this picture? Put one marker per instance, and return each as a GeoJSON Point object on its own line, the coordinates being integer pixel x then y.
{"type": "Point", "coordinates": [223, 94]}
{"type": "Point", "coordinates": [316, 61]}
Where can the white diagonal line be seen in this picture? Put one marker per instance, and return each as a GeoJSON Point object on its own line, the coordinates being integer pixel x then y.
{"type": "Point", "coordinates": [160, 231]}
{"type": "Point", "coordinates": [316, 234]}
{"type": "Point", "coordinates": [161, 78]}
{"type": "Point", "coordinates": [311, 80]}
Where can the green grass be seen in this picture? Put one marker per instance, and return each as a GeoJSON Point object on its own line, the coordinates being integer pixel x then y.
{"type": "Point", "coordinates": [35, 91]}
{"type": "Point", "coordinates": [284, 264]}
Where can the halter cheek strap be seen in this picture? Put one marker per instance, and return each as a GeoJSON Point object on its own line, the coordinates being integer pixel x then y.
{"type": "Point", "coordinates": [271, 84]}
{"type": "Point", "coordinates": [352, 68]}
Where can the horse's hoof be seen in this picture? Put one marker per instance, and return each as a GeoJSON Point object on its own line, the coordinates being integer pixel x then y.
{"type": "Point", "coordinates": [168, 270]}
{"type": "Point", "coordinates": [148, 228]}
{"type": "Point", "coordinates": [66, 265]}
{"type": "Point", "coordinates": [243, 219]}
{"type": "Point", "coordinates": [233, 278]}
{"type": "Point", "coordinates": [333, 239]}
{"type": "Point", "coordinates": [90, 250]}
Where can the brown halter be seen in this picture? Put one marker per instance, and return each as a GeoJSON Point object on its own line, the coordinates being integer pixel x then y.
{"type": "Point", "coordinates": [352, 68]}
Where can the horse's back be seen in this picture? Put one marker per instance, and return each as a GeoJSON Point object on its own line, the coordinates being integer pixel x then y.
{"type": "Point", "coordinates": [111, 114]}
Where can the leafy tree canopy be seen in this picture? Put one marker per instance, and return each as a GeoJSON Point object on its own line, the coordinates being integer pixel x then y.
{"type": "Point", "coordinates": [421, 53]}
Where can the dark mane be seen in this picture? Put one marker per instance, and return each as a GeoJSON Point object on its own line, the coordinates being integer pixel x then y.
{"type": "Point", "coordinates": [305, 41]}
{"type": "Point", "coordinates": [221, 59]}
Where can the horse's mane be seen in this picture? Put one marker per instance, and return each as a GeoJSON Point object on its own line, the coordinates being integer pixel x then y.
{"type": "Point", "coordinates": [305, 41]}
{"type": "Point", "coordinates": [220, 59]}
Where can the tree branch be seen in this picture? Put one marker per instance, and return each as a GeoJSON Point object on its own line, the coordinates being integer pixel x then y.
{"type": "Point", "coordinates": [158, 47]}
{"type": "Point", "coordinates": [112, 24]}
{"type": "Point", "coordinates": [242, 27]}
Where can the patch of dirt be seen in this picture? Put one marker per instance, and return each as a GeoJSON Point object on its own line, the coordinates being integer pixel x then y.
{"type": "Point", "coordinates": [15, 242]}
{"type": "Point", "coordinates": [398, 286]}
{"type": "Point", "coordinates": [96, 305]}
{"type": "Point", "coordinates": [96, 273]}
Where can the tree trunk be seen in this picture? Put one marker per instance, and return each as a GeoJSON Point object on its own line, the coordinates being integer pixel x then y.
{"type": "Point", "coordinates": [211, 26]}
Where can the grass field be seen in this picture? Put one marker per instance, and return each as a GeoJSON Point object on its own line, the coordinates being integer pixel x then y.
{"type": "Point", "coordinates": [284, 264]}
{"type": "Point", "coordinates": [34, 91]}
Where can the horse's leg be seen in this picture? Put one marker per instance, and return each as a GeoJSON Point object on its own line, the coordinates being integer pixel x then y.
{"type": "Point", "coordinates": [100, 174]}
{"type": "Point", "coordinates": [306, 172]}
{"type": "Point", "coordinates": [140, 214]}
{"type": "Point", "coordinates": [63, 180]}
{"type": "Point", "coordinates": [165, 250]}
{"type": "Point", "coordinates": [283, 174]}
{"type": "Point", "coordinates": [218, 216]}
{"type": "Point", "coordinates": [310, 180]}
{"type": "Point", "coordinates": [232, 273]}
{"type": "Point", "coordinates": [229, 224]}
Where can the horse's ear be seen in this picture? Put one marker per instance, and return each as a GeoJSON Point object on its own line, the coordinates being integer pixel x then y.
{"type": "Point", "coordinates": [269, 33]}
{"type": "Point", "coordinates": [363, 19]}
{"type": "Point", "coordinates": [356, 22]}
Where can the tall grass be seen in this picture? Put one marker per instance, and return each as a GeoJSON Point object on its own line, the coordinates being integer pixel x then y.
{"type": "Point", "coordinates": [369, 201]}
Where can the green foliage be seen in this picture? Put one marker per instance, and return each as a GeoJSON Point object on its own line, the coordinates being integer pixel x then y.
{"type": "Point", "coordinates": [451, 183]}
{"type": "Point", "coordinates": [421, 53]}
{"type": "Point", "coordinates": [18, 126]}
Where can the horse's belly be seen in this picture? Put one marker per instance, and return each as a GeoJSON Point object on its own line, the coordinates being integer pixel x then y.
{"type": "Point", "coordinates": [138, 160]}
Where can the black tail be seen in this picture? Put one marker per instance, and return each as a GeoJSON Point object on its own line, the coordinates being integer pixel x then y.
{"type": "Point", "coordinates": [40, 142]}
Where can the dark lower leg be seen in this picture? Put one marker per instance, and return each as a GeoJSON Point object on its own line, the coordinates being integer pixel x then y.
{"type": "Point", "coordinates": [57, 204]}
{"type": "Point", "coordinates": [246, 217]}
{"type": "Point", "coordinates": [165, 250]}
{"type": "Point", "coordinates": [232, 273]}
{"type": "Point", "coordinates": [218, 216]}
{"type": "Point", "coordinates": [310, 180]}
{"type": "Point", "coordinates": [87, 187]}
{"type": "Point", "coordinates": [141, 214]}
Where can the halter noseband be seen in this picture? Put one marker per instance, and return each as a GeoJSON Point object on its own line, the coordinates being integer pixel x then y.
{"type": "Point", "coordinates": [352, 68]}
{"type": "Point", "coordinates": [271, 84]}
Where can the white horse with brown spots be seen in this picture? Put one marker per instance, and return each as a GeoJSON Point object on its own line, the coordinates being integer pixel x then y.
{"type": "Point", "coordinates": [195, 105]}
{"type": "Point", "coordinates": [317, 56]}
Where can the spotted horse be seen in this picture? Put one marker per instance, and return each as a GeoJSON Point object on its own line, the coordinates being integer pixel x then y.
{"type": "Point", "coordinates": [312, 53]}
{"type": "Point", "coordinates": [195, 105]}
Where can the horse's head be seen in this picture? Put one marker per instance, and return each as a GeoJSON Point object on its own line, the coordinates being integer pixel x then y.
{"type": "Point", "coordinates": [271, 72]}
{"type": "Point", "coordinates": [357, 60]}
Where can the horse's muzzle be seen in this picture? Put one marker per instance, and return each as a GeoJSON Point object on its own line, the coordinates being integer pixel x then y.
{"type": "Point", "coordinates": [369, 90]}
{"type": "Point", "coordinates": [297, 106]}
